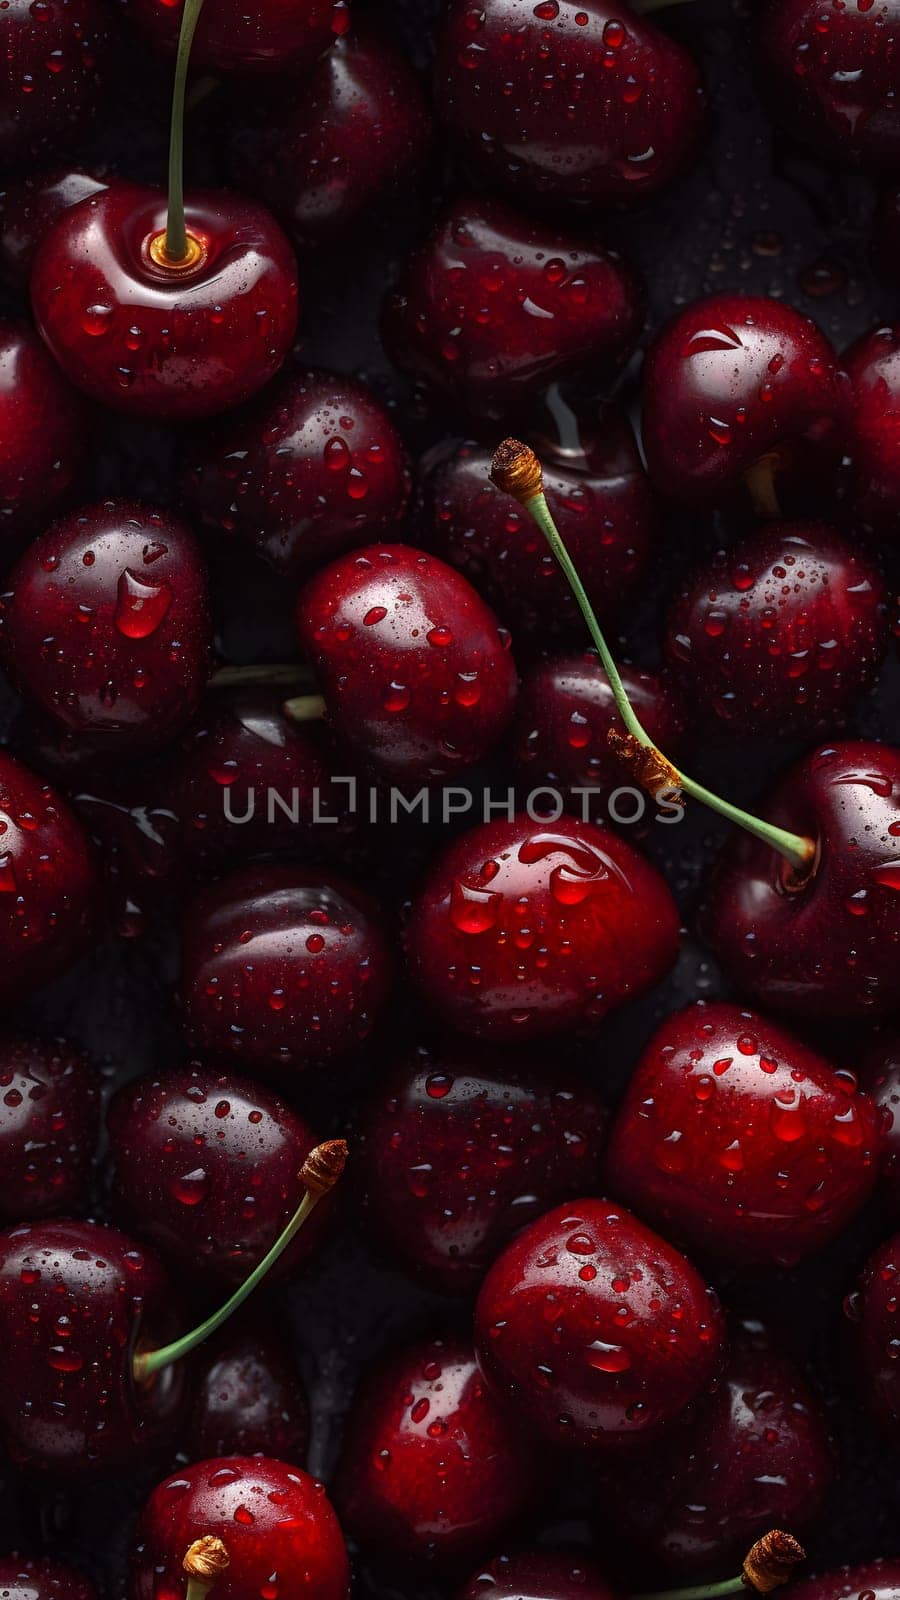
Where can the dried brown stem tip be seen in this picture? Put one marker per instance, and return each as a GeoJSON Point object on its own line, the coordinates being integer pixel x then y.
{"type": "Point", "coordinates": [772, 1560]}
{"type": "Point", "coordinates": [516, 470]}
{"type": "Point", "coordinates": [324, 1165]}
{"type": "Point", "coordinates": [206, 1559]}
{"type": "Point", "coordinates": [645, 763]}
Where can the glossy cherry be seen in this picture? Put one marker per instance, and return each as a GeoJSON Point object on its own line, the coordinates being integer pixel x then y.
{"type": "Point", "coordinates": [596, 1330]}
{"type": "Point", "coordinates": [314, 467]}
{"type": "Point", "coordinates": [462, 1147]}
{"type": "Point", "coordinates": [412, 664]}
{"type": "Point", "coordinates": [880, 1579]}
{"type": "Point", "coordinates": [281, 968]}
{"type": "Point", "coordinates": [54, 60]}
{"type": "Point", "coordinates": [495, 308]}
{"type": "Point", "coordinates": [880, 1078]}
{"type": "Point", "coordinates": [782, 631]}
{"type": "Point", "coordinates": [43, 430]}
{"type": "Point", "coordinates": [871, 420]}
{"type": "Point", "coordinates": [40, 1578]}
{"type": "Point", "coordinates": [738, 1141]}
{"type": "Point", "coordinates": [567, 102]}
{"type": "Point", "coordinates": [276, 36]}
{"type": "Point", "coordinates": [530, 928]}
{"type": "Point", "coordinates": [49, 1127]}
{"type": "Point", "coordinates": [537, 1575]}
{"type": "Point", "coordinates": [433, 1467]}
{"type": "Point", "coordinates": [106, 622]}
{"type": "Point", "coordinates": [27, 210]}
{"type": "Point", "coordinates": [875, 1309]}
{"type": "Point", "coordinates": [248, 1400]}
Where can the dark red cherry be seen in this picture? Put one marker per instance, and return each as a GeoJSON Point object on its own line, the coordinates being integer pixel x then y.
{"type": "Point", "coordinates": [463, 1147]}
{"type": "Point", "coordinates": [512, 84]}
{"type": "Point", "coordinates": [49, 1127]}
{"type": "Point", "coordinates": [27, 210]}
{"type": "Point", "coordinates": [274, 1519]}
{"type": "Point", "coordinates": [323, 159]}
{"type": "Point", "coordinates": [880, 1579]}
{"type": "Point", "coordinates": [782, 631]}
{"type": "Point", "coordinates": [207, 1168]}
{"type": "Point", "coordinates": [42, 430]}
{"type": "Point", "coordinates": [411, 661]}
{"type": "Point", "coordinates": [737, 387]}
{"type": "Point", "coordinates": [433, 1467]}
{"type": "Point", "coordinates": [248, 1400]}
{"type": "Point", "coordinates": [39, 1578]}
{"type": "Point", "coordinates": [537, 1575]}
{"type": "Point", "coordinates": [165, 340]}
{"type": "Point", "coordinates": [106, 623]}
{"type": "Point", "coordinates": [313, 468]}
{"type": "Point", "coordinates": [529, 928]}
{"type": "Point", "coordinates": [880, 1078]}
{"type": "Point", "coordinates": [871, 420]}
{"type": "Point", "coordinates": [54, 54]}
{"type": "Point", "coordinates": [875, 1309]}
{"type": "Point", "coordinates": [281, 967]}
{"type": "Point", "coordinates": [495, 308]}
{"type": "Point", "coordinates": [823, 942]}
{"type": "Point", "coordinates": [596, 1330]}
{"type": "Point", "coordinates": [275, 36]}
{"type": "Point", "coordinates": [740, 1142]}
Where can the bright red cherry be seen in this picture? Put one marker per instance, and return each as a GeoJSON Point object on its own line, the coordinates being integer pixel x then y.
{"type": "Point", "coordinates": [314, 467]}
{"type": "Point", "coordinates": [43, 431]}
{"type": "Point", "coordinates": [106, 622]}
{"type": "Point", "coordinates": [740, 1142]}
{"type": "Point", "coordinates": [537, 1575]}
{"type": "Point", "coordinates": [871, 420]}
{"type": "Point", "coordinates": [27, 210]}
{"type": "Point", "coordinates": [281, 967]}
{"type": "Point", "coordinates": [575, 100]}
{"type": "Point", "coordinates": [275, 36]}
{"type": "Point", "coordinates": [49, 1127]}
{"type": "Point", "coordinates": [411, 661]}
{"type": "Point", "coordinates": [875, 1309]}
{"type": "Point", "coordinates": [781, 631]}
{"type": "Point", "coordinates": [595, 1329]}
{"type": "Point", "coordinates": [529, 928]}
{"type": "Point", "coordinates": [879, 1579]}
{"type": "Point", "coordinates": [462, 1148]}
{"type": "Point", "coordinates": [54, 57]}
{"type": "Point", "coordinates": [248, 1400]}
{"type": "Point", "coordinates": [880, 1078]}
{"type": "Point", "coordinates": [38, 1578]}
{"type": "Point", "coordinates": [495, 308]}
{"type": "Point", "coordinates": [433, 1467]}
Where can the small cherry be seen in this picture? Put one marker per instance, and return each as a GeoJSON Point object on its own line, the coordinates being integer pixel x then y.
{"type": "Point", "coordinates": [43, 431]}
{"type": "Point", "coordinates": [537, 1575]}
{"type": "Point", "coordinates": [461, 1148]}
{"type": "Point", "coordinates": [55, 58]}
{"type": "Point", "coordinates": [495, 308]}
{"type": "Point", "coordinates": [871, 420]}
{"type": "Point", "coordinates": [880, 1579]}
{"type": "Point", "coordinates": [740, 1142]}
{"type": "Point", "coordinates": [880, 1078]}
{"type": "Point", "coordinates": [248, 1400]}
{"type": "Point", "coordinates": [40, 1578]}
{"type": "Point", "coordinates": [412, 664]}
{"type": "Point", "coordinates": [595, 1330]}
{"type": "Point", "coordinates": [571, 101]}
{"type": "Point", "coordinates": [27, 210]}
{"type": "Point", "coordinates": [274, 36]}
{"type": "Point", "coordinates": [49, 1127]}
{"type": "Point", "coordinates": [433, 1467]}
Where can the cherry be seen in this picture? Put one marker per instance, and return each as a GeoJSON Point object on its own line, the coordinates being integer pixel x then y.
{"type": "Point", "coordinates": [277, 36]}
{"type": "Point", "coordinates": [737, 387]}
{"type": "Point", "coordinates": [106, 622]}
{"type": "Point", "coordinates": [739, 1141]}
{"type": "Point", "coordinates": [461, 1148]}
{"type": "Point", "coordinates": [248, 1400]}
{"type": "Point", "coordinates": [880, 1078]}
{"type": "Point", "coordinates": [27, 210]}
{"type": "Point", "coordinates": [874, 1308]}
{"type": "Point", "coordinates": [54, 59]}
{"type": "Point", "coordinates": [530, 928]}
{"type": "Point", "coordinates": [782, 631]}
{"type": "Point", "coordinates": [870, 420]}
{"type": "Point", "coordinates": [281, 968]}
{"type": "Point", "coordinates": [39, 1578]}
{"type": "Point", "coordinates": [537, 1575]}
{"type": "Point", "coordinates": [207, 1170]}
{"type": "Point", "coordinates": [433, 1467]}
{"type": "Point", "coordinates": [42, 430]}
{"type": "Point", "coordinates": [49, 1124]}
{"type": "Point", "coordinates": [880, 1579]}
{"type": "Point", "coordinates": [595, 1329]}
{"type": "Point", "coordinates": [555, 307]}
{"type": "Point", "coordinates": [314, 467]}
{"type": "Point", "coordinates": [360, 131]}
{"type": "Point", "coordinates": [512, 80]}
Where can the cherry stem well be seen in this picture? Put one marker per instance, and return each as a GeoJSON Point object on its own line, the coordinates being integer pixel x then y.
{"type": "Point", "coordinates": [205, 1562]}
{"type": "Point", "coordinates": [177, 248]}
{"type": "Point", "coordinates": [517, 471]}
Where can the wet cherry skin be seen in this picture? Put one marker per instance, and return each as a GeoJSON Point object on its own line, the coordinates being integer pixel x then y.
{"type": "Point", "coordinates": [311, 469]}
{"type": "Point", "coordinates": [597, 105]}
{"type": "Point", "coordinates": [53, 65]}
{"type": "Point", "coordinates": [825, 944]}
{"type": "Point", "coordinates": [874, 1308]}
{"type": "Point", "coordinates": [38, 1578]}
{"type": "Point", "coordinates": [248, 1400]}
{"type": "Point", "coordinates": [43, 430]}
{"type": "Point", "coordinates": [728, 381]}
{"type": "Point", "coordinates": [27, 210]}
{"type": "Point", "coordinates": [524, 929]}
{"type": "Point", "coordinates": [433, 1467]}
{"type": "Point", "coordinates": [782, 631]}
{"type": "Point", "coordinates": [555, 306]}
{"type": "Point", "coordinates": [415, 671]}
{"type": "Point", "coordinates": [880, 1078]}
{"type": "Point", "coordinates": [165, 342]}
{"type": "Point", "coordinates": [738, 1141]}
{"type": "Point", "coordinates": [870, 419]}
{"type": "Point", "coordinates": [537, 1575]}
{"type": "Point", "coordinates": [49, 1127]}
{"type": "Point", "coordinates": [206, 1168]}
{"type": "Point", "coordinates": [277, 36]}
{"type": "Point", "coordinates": [281, 967]}
{"type": "Point", "coordinates": [462, 1147]}
{"type": "Point", "coordinates": [596, 1330]}
{"type": "Point", "coordinates": [75, 1298]}
{"type": "Point", "coordinates": [878, 1579]}
{"type": "Point", "coordinates": [277, 1522]}
{"type": "Point", "coordinates": [105, 623]}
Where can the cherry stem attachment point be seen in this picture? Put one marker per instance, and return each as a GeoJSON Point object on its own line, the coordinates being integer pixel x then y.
{"type": "Point", "coordinates": [206, 1561]}
{"type": "Point", "coordinates": [769, 1564]}
{"type": "Point", "coordinates": [517, 471]}
{"type": "Point", "coordinates": [177, 248]}
{"type": "Point", "coordinates": [319, 1173]}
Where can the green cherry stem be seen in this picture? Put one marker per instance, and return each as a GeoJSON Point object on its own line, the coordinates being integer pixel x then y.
{"type": "Point", "coordinates": [265, 674]}
{"type": "Point", "coordinates": [516, 471]}
{"type": "Point", "coordinates": [176, 248]}
{"type": "Point", "coordinates": [206, 1561]}
{"type": "Point", "coordinates": [770, 1563]}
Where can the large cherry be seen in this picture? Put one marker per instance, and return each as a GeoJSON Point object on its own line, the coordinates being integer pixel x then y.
{"type": "Point", "coordinates": [879, 1579]}
{"type": "Point", "coordinates": [248, 1400]}
{"type": "Point", "coordinates": [42, 430]}
{"type": "Point", "coordinates": [414, 669]}
{"type": "Point", "coordinates": [875, 1309]}
{"type": "Point", "coordinates": [537, 1575]}
{"type": "Point", "coordinates": [54, 57]}
{"type": "Point", "coordinates": [461, 1148]}
{"type": "Point", "coordinates": [595, 1329]}
{"type": "Point", "coordinates": [106, 622]}
{"type": "Point", "coordinates": [880, 1078]}
{"type": "Point", "coordinates": [49, 1126]}
{"type": "Point", "coordinates": [871, 419]}
{"type": "Point", "coordinates": [528, 928]}
{"type": "Point", "coordinates": [495, 308]}
{"type": "Point", "coordinates": [27, 210]}
{"type": "Point", "coordinates": [40, 1578]}
{"type": "Point", "coordinates": [740, 1142]}
{"type": "Point", "coordinates": [275, 36]}
{"type": "Point", "coordinates": [433, 1467]}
